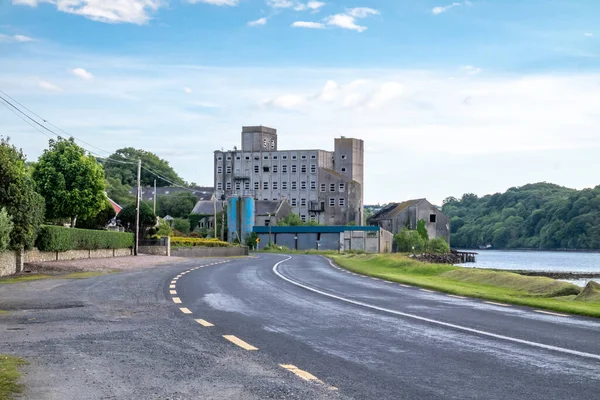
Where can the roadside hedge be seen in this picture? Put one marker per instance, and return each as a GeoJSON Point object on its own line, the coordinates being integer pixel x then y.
{"type": "Point", "coordinates": [197, 242]}
{"type": "Point", "coordinates": [58, 238]}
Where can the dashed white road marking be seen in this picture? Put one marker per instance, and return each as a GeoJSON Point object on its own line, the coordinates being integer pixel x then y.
{"type": "Point", "coordinates": [551, 313]}
{"type": "Point", "coordinates": [172, 286]}
{"type": "Point", "coordinates": [172, 291]}
{"type": "Point", "coordinates": [176, 300]}
{"type": "Point", "coordinates": [203, 322]}
{"type": "Point", "coordinates": [185, 310]}
{"type": "Point", "coordinates": [457, 297]}
{"type": "Point", "coordinates": [497, 304]}
{"type": "Point", "coordinates": [427, 290]}
{"type": "Point", "coordinates": [434, 321]}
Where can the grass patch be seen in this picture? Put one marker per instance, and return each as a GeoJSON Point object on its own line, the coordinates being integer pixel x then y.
{"type": "Point", "coordinates": [36, 277]}
{"type": "Point", "coordinates": [3, 312]}
{"type": "Point", "coordinates": [505, 287]}
{"type": "Point", "coordinates": [9, 376]}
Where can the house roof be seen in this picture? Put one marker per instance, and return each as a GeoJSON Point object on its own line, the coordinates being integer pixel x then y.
{"type": "Point", "coordinates": [201, 192]}
{"type": "Point", "coordinates": [207, 207]}
{"type": "Point", "coordinates": [393, 209]}
{"type": "Point", "coordinates": [313, 229]}
{"type": "Point", "coordinates": [265, 207]}
{"type": "Point", "coordinates": [115, 206]}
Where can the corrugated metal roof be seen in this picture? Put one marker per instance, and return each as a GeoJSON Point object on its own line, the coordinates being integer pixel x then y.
{"type": "Point", "coordinates": [264, 207]}
{"type": "Point", "coordinates": [207, 207]}
{"type": "Point", "coordinates": [314, 229]}
{"type": "Point", "coordinates": [393, 209]}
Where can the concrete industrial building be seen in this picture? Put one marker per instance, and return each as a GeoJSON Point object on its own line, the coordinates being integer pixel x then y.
{"type": "Point", "coordinates": [321, 186]}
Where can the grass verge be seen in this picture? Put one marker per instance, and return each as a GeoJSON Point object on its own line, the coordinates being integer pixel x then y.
{"type": "Point", "coordinates": [36, 277]}
{"type": "Point", "coordinates": [9, 376]}
{"type": "Point", "coordinates": [505, 287]}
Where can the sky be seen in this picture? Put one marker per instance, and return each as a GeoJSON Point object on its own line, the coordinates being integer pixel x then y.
{"type": "Point", "coordinates": [450, 97]}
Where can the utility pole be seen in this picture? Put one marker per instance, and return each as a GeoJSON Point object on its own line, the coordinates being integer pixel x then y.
{"type": "Point", "coordinates": [137, 207]}
{"type": "Point", "coordinates": [215, 215]}
{"type": "Point", "coordinates": [155, 194]}
{"type": "Point", "coordinates": [223, 221]}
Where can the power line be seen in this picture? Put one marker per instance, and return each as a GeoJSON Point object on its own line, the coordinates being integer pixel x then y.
{"type": "Point", "coordinates": [24, 120]}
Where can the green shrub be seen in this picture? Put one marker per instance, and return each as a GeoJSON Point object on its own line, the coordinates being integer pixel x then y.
{"type": "Point", "coordinates": [58, 238]}
{"type": "Point", "coordinates": [197, 242]}
{"type": "Point", "coordinates": [164, 228]}
{"type": "Point", "coordinates": [182, 225]}
{"type": "Point", "coordinates": [439, 246]}
{"type": "Point", "coordinates": [6, 226]}
{"type": "Point", "coordinates": [408, 241]}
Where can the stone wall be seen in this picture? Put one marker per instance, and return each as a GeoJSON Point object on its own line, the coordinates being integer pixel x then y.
{"type": "Point", "coordinates": [8, 263]}
{"type": "Point", "coordinates": [210, 252]}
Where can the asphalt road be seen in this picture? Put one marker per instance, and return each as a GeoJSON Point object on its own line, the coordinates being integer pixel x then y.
{"type": "Point", "coordinates": [373, 339]}
{"type": "Point", "coordinates": [283, 327]}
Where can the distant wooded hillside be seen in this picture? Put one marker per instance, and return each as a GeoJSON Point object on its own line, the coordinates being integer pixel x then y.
{"type": "Point", "coordinates": [539, 215]}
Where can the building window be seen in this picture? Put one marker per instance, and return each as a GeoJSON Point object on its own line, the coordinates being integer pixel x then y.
{"type": "Point", "coordinates": [342, 202]}
{"type": "Point", "coordinates": [228, 169]}
{"type": "Point", "coordinates": [303, 169]}
{"type": "Point", "coordinates": [331, 202]}
{"type": "Point", "coordinates": [284, 185]}
{"type": "Point", "coordinates": [238, 185]}
{"type": "Point", "coordinates": [332, 187]}
{"type": "Point", "coordinates": [228, 158]}
{"type": "Point", "coordinates": [294, 202]}
{"type": "Point", "coordinates": [284, 157]}
{"type": "Point", "coordinates": [256, 169]}
{"type": "Point", "coordinates": [343, 169]}
{"type": "Point", "coordinates": [304, 157]}
{"type": "Point", "coordinates": [256, 158]}
{"type": "Point", "coordinates": [313, 168]}
{"type": "Point", "coordinates": [247, 185]}
{"type": "Point", "coordinates": [303, 202]}
{"type": "Point", "coordinates": [219, 170]}
{"type": "Point", "coordinates": [265, 143]}
{"type": "Point", "coordinates": [238, 157]}
{"type": "Point", "coordinates": [265, 185]}
{"type": "Point", "coordinates": [294, 186]}
{"type": "Point", "coordinates": [265, 169]}
{"type": "Point", "coordinates": [255, 185]}
{"type": "Point", "coordinates": [294, 168]}
{"type": "Point", "coordinates": [274, 157]}
{"type": "Point", "coordinates": [342, 187]}
{"type": "Point", "coordinates": [265, 157]}
{"type": "Point", "coordinates": [303, 218]}
{"type": "Point", "coordinates": [228, 186]}
{"type": "Point", "coordinates": [322, 187]}
{"type": "Point", "coordinates": [219, 186]}
{"type": "Point", "coordinates": [313, 156]}
{"type": "Point", "coordinates": [313, 185]}
{"type": "Point", "coordinates": [432, 218]}
{"type": "Point", "coordinates": [313, 217]}
{"type": "Point", "coordinates": [247, 157]}
{"type": "Point", "coordinates": [294, 157]}
{"type": "Point", "coordinates": [275, 169]}
{"type": "Point", "coordinates": [275, 185]}
{"type": "Point", "coordinates": [284, 169]}
{"type": "Point", "coordinates": [275, 199]}
{"type": "Point", "coordinates": [343, 156]}
{"type": "Point", "coordinates": [303, 185]}
{"type": "Point", "coordinates": [237, 171]}
{"type": "Point", "coordinates": [219, 158]}
{"type": "Point", "coordinates": [272, 144]}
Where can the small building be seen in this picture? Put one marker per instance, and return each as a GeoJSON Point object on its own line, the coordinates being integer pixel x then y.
{"type": "Point", "coordinates": [148, 193]}
{"type": "Point", "coordinates": [397, 216]}
{"type": "Point", "coordinates": [207, 209]}
{"type": "Point", "coordinates": [271, 212]}
{"type": "Point", "coordinates": [370, 239]}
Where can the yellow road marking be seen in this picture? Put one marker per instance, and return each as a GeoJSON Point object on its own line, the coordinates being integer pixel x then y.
{"type": "Point", "coordinates": [203, 322]}
{"type": "Point", "coordinates": [307, 376]}
{"type": "Point", "coordinates": [185, 310]}
{"type": "Point", "coordinates": [551, 313]}
{"type": "Point", "coordinates": [176, 300]}
{"type": "Point", "coordinates": [427, 290]}
{"type": "Point", "coordinates": [497, 304]}
{"type": "Point", "coordinates": [457, 297]}
{"type": "Point", "coordinates": [172, 291]}
{"type": "Point", "coordinates": [239, 342]}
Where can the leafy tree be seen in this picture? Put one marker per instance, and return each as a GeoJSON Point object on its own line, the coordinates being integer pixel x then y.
{"type": "Point", "coordinates": [195, 222]}
{"type": "Point", "coordinates": [119, 192]}
{"type": "Point", "coordinates": [71, 182]}
{"type": "Point", "coordinates": [178, 205]}
{"type": "Point", "coordinates": [6, 226]}
{"type": "Point", "coordinates": [147, 218]}
{"type": "Point", "coordinates": [251, 241]}
{"type": "Point", "coordinates": [164, 228]}
{"type": "Point", "coordinates": [122, 166]}
{"type": "Point", "coordinates": [422, 229]}
{"type": "Point", "coordinates": [291, 220]}
{"type": "Point", "coordinates": [439, 246]}
{"type": "Point", "coordinates": [408, 241]}
{"type": "Point", "coordinates": [18, 197]}
{"type": "Point", "coordinates": [182, 225]}
{"type": "Point", "coordinates": [100, 220]}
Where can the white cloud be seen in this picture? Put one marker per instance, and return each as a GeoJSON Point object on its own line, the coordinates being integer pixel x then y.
{"type": "Point", "coordinates": [314, 6]}
{"type": "Point", "coordinates": [82, 73]}
{"type": "Point", "coordinates": [113, 11]}
{"type": "Point", "coordinates": [362, 12]}
{"type": "Point", "coordinates": [345, 21]}
{"type": "Point", "coordinates": [216, 2]}
{"type": "Point", "coordinates": [258, 22]}
{"type": "Point", "coordinates": [14, 38]}
{"type": "Point", "coordinates": [307, 24]}
{"type": "Point", "coordinates": [48, 86]}
{"type": "Point", "coordinates": [387, 92]}
{"type": "Point", "coordinates": [588, 34]}
{"type": "Point", "coordinates": [187, 90]}
{"type": "Point", "coordinates": [442, 9]}
{"type": "Point", "coordinates": [280, 3]}
{"type": "Point", "coordinates": [330, 92]}
{"type": "Point", "coordinates": [470, 70]}
{"type": "Point", "coordinates": [286, 102]}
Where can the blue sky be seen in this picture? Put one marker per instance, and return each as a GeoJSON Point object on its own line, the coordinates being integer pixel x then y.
{"type": "Point", "coordinates": [450, 97]}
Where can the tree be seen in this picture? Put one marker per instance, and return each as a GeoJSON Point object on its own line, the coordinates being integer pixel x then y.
{"type": "Point", "coordinates": [291, 220]}
{"type": "Point", "coordinates": [147, 218]}
{"type": "Point", "coordinates": [408, 241]}
{"type": "Point", "coordinates": [179, 205]}
{"type": "Point", "coordinates": [6, 226]}
{"type": "Point", "coordinates": [119, 192]}
{"type": "Point", "coordinates": [18, 197]}
{"type": "Point", "coordinates": [422, 230]}
{"type": "Point", "coordinates": [100, 220]}
{"type": "Point", "coordinates": [71, 182]}
{"type": "Point", "coordinates": [182, 225]}
{"type": "Point", "coordinates": [439, 246]}
{"type": "Point", "coordinates": [122, 166]}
